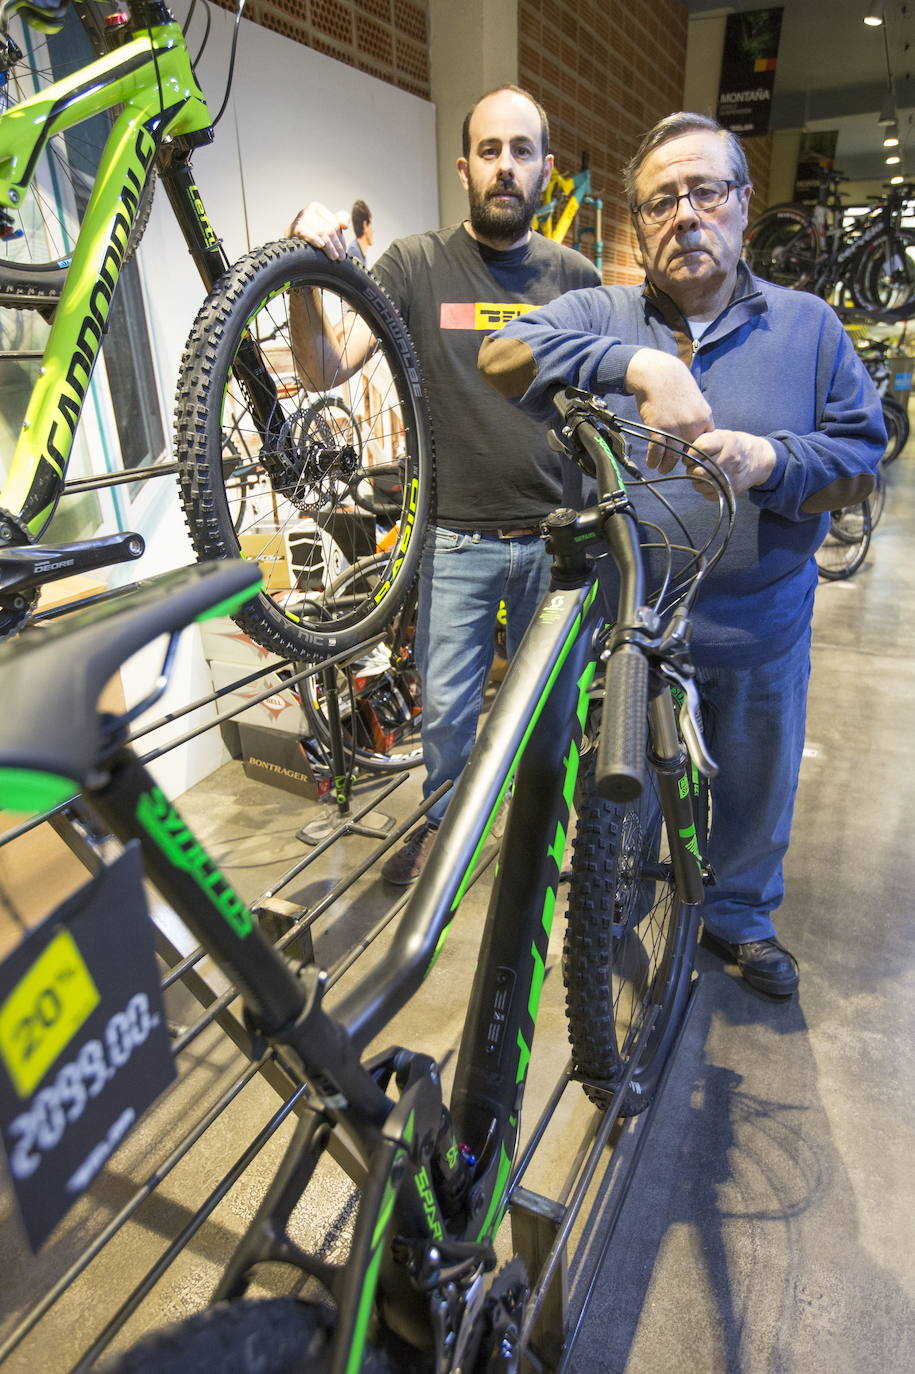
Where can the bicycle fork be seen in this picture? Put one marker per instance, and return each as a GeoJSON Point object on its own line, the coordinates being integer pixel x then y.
{"type": "Point", "coordinates": [674, 770]}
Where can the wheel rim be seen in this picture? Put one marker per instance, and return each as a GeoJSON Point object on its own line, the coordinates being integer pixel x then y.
{"type": "Point", "coordinates": [847, 541]}
{"type": "Point", "coordinates": [310, 440]}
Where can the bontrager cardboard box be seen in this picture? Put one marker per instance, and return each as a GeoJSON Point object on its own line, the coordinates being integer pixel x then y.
{"type": "Point", "coordinates": [282, 761]}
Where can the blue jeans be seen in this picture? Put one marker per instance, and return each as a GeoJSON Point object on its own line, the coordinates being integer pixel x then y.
{"type": "Point", "coordinates": [463, 576]}
{"type": "Point", "coordinates": [754, 725]}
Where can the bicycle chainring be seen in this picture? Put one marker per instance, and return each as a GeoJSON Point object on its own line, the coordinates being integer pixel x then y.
{"type": "Point", "coordinates": [15, 607]}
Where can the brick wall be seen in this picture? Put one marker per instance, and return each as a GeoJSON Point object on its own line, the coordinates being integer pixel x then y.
{"type": "Point", "coordinates": [604, 70]}
{"type": "Point", "coordinates": [386, 38]}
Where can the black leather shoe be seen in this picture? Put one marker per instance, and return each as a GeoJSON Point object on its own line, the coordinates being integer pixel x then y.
{"type": "Point", "coordinates": [765, 964]}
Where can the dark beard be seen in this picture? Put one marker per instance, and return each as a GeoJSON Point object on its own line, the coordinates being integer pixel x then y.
{"type": "Point", "coordinates": [502, 223]}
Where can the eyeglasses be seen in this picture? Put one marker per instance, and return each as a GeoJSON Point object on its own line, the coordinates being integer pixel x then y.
{"type": "Point", "coordinates": [708, 195]}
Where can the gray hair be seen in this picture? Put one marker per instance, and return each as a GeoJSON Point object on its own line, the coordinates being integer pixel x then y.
{"type": "Point", "coordinates": [674, 126]}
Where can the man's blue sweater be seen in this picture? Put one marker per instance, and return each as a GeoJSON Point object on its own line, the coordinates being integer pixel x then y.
{"type": "Point", "coordinates": [776, 363]}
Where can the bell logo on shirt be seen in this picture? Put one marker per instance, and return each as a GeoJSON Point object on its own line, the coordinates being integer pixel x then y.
{"type": "Point", "coordinates": [480, 315]}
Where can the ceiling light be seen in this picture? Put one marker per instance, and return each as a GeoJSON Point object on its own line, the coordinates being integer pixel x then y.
{"type": "Point", "coordinates": [891, 136]}
{"type": "Point", "coordinates": [892, 159]}
{"type": "Point", "coordinates": [896, 181]}
{"type": "Point", "coordinates": [888, 108]}
{"type": "Point", "coordinates": [874, 16]}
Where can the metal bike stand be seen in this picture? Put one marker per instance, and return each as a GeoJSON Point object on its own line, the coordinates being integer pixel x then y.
{"type": "Point", "coordinates": [374, 824]}
{"type": "Point", "coordinates": [535, 1223]}
{"type": "Point", "coordinates": [541, 1226]}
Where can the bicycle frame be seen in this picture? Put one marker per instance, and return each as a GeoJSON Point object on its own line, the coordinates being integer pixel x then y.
{"type": "Point", "coordinates": [436, 1179]}
{"type": "Point", "coordinates": [152, 77]}
{"type": "Point", "coordinates": [533, 734]}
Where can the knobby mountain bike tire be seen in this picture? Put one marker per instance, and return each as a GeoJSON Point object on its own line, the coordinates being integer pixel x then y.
{"type": "Point", "coordinates": [896, 419]}
{"type": "Point", "coordinates": [300, 521]}
{"type": "Point", "coordinates": [629, 941]}
{"type": "Point", "coordinates": [268, 1336]}
{"type": "Point", "coordinates": [846, 544]}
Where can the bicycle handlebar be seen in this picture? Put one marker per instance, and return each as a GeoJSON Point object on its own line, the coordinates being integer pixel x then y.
{"type": "Point", "coordinates": [620, 766]}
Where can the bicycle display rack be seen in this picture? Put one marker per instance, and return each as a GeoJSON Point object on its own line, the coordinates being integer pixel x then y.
{"type": "Point", "coordinates": [543, 1229]}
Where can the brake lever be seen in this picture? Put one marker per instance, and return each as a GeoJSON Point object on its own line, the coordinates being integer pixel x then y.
{"type": "Point", "coordinates": [690, 722]}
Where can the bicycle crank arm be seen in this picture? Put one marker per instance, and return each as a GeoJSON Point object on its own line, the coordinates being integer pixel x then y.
{"type": "Point", "coordinates": [23, 567]}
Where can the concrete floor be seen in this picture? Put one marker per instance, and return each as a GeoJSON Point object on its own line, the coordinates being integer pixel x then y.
{"type": "Point", "coordinates": [768, 1226]}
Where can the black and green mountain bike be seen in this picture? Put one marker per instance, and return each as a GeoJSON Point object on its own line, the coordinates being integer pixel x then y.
{"type": "Point", "coordinates": [419, 1288]}
{"type": "Point", "coordinates": [263, 472]}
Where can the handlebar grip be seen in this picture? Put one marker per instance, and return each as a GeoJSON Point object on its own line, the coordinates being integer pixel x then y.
{"type": "Point", "coordinates": [620, 771]}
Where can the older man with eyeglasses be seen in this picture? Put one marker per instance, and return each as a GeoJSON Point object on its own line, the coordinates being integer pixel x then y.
{"type": "Point", "coordinates": [766, 382]}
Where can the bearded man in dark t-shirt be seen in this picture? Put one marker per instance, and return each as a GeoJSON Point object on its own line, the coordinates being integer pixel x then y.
{"type": "Point", "coordinates": [496, 476]}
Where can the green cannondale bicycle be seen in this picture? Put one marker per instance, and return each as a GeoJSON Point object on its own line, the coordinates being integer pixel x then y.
{"type": "Point", "coordinates": [420, 1288]}
{"type": "Point", "coordinates": [264, 473]}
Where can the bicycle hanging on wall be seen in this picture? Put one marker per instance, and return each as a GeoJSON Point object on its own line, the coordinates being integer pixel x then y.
{"type": "Point", "coordinates": [263, 472]}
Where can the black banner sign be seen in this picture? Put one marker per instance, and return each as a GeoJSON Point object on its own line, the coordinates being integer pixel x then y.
{"type": "Point", "coordinates": [748, 70]}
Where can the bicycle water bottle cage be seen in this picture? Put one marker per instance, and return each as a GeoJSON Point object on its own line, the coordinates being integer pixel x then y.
{"type": "Point", "coordinates": [46, 15]}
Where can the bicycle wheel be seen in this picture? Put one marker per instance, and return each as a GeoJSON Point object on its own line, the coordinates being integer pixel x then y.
{"type": "Point", "coordinates": [885, 274]}
{"type": "Point", "coordinates": [846, 544]}
{"type": "Point", "coordinates": [380, 714]}
{"type": "Point", "coordinates": [238, 381]}
{"type": "Point", "coordinates": [629, 941]}
{"type": "Point", "coordinates": [896, 419]}
{"type": "Point", "coordinates": [379, 694]}
{"type": "Point", "coordinates": [37, 236]}
{"type": "Point", "coordinates": [782, 247]}
{"type": "Point", "coordinates": [270, 1336]}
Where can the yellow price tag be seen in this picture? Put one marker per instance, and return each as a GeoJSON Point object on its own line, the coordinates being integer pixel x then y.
{"type": "Point", "coordinates": [44, 1011]}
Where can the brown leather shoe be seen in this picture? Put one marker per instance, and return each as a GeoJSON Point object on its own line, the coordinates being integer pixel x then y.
{"type": "Point", "coordinates": [405, 864]}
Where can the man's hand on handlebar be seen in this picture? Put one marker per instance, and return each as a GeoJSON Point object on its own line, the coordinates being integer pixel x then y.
{"type": "Point", "coordinates": [322, 228]}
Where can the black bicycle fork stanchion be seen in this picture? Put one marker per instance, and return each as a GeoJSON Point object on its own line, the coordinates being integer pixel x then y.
{"type": "Point", "coordinates": [374, 824]}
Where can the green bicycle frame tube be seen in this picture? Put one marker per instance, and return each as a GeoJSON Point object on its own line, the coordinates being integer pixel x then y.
{"type": "Point", "coordinates": [152, 77]}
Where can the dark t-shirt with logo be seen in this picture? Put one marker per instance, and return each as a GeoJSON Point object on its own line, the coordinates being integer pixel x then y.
{"type": "Point", "coordinates": [493, 464]}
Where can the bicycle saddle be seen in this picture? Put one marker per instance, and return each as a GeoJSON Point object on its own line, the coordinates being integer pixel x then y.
{"type": "Point", "coordinates": [51, 731]}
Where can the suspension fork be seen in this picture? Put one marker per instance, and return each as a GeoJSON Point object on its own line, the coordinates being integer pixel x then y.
{"type": "Point", "coordinates": [209, 257]}
{"type": "Point", "coordinates": [674, 770]}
